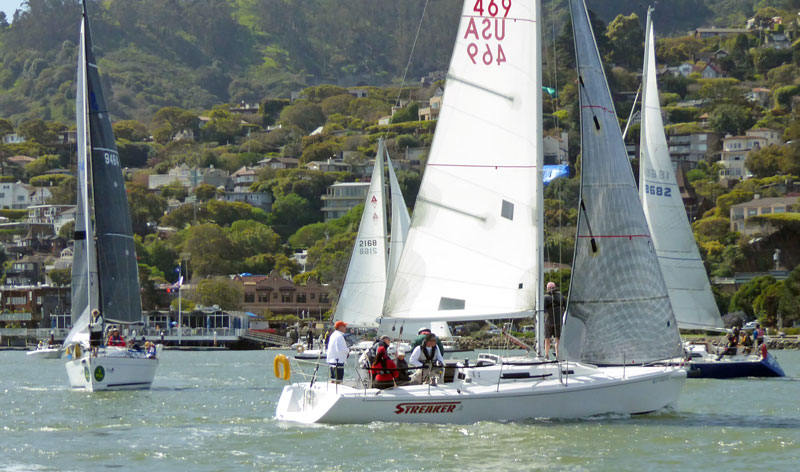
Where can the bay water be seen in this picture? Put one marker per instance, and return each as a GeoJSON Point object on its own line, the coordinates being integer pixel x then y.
{"type": "Point", "coordinates": [213, 411]}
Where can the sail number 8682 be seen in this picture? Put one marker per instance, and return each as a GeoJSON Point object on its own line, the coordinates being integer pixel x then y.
{"type": "Point", "coordinates": [658, 191]}
{"type": "Point", "coordinates": [368, 247]}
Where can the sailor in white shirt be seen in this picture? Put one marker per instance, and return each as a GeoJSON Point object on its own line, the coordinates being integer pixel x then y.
{"type": "Point", "coordinates": [337, 351]}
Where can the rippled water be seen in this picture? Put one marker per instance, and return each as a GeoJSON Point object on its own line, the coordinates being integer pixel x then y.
{"type": "Point", "coordinates": [212, 411]}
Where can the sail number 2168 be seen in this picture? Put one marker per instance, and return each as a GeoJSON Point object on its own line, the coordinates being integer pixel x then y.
{"type": "Point", "coordinates": [111, 159]}
{"type": "Point", "coordinates": [368, 247]}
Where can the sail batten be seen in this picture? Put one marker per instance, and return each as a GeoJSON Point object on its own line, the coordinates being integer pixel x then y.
{"type": "Point", "coordinates": [618, 309]}
{"type": "Point", "coordinates": [471, 251]}
{"type": "Point", "coordinates": [681, 266]}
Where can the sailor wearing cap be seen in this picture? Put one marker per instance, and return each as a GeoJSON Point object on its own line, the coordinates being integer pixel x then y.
{"type": "Point", "coordinates": [337, 351]}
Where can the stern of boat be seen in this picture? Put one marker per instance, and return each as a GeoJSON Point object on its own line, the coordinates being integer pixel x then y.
{"type": "Point", "coordinates": [111, 373]}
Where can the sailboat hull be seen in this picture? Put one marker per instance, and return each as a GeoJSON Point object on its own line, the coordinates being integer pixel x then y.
{"type": "Point", "coordinates": [735, 367]}
{"type": "Point", "coordinates": [111, 373]}
{"type": "Point", "coordinates": [591, 392]}
{"type": "Point", "coordinates": [45, 353]}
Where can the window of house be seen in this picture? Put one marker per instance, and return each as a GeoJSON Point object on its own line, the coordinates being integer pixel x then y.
{"type": "Point", "coordinates": [301, 298]}
{"type": "Point", "coordinates": [249, 297]}
{"type": "Point", "coordinates": [275, 296]}
{"type": "Point", "coordinates": [751, 212]}
{"type": "Point", "coordinates": [738, 213]}
{"type": "Point", "coordinates": [323, 298]}
{"type": "Point", "coordinates": [263, 297]}
{"type": "Point", "coordinates": [780, 210]}
{"type": "Point", "coordinates": [313, 296]}
{"type": "Point", "coordinates": [766, 211]}
{"type": "Point", "coordinates": [286, 297]}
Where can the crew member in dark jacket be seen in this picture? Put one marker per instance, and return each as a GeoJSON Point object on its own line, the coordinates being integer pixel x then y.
{"type": "Point", "coordinates": [554, 305]}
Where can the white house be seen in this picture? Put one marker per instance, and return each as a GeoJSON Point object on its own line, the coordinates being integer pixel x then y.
{"type": "Point", "coordinates": [18, 196]}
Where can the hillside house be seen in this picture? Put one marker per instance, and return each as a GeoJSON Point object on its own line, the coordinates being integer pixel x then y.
{"type": "Point", "coordinates": [741, 212]}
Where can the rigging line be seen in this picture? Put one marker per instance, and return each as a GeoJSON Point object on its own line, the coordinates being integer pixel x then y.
{"type": "Point", "coordinates": [633, 108]}
{"type": "Point", "coordinates": [408, 64]}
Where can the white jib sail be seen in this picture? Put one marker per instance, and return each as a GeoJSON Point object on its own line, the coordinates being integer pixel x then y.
{"type": "Point", "coordinates": [687, 283]}
{"type": "Point", "coordinates": [401, 221]}
{"type": "Point", "coordinates": [85, 262]}
{"type": "Point", "coordinates": [364, 289]}
{"type": "Point", "coordinates": [471, 250]}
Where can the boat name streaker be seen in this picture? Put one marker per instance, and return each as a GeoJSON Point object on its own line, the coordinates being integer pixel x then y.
{"type": "Point", "coordinates": [425, 408]}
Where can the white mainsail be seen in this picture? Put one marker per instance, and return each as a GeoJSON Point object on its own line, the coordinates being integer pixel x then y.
{"type": "Point", "coordinates": [618, 309]}
{"type": "Point", "coordinates": [364, 289]}
{"type": "Point", "coordinates": [471, 249]}
{"type": "Point", "coordinates": [687, 283]}
{"type": "Point", "coordinates": [84, 265]}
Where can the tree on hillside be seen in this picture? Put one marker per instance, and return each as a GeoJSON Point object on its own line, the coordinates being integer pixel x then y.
{"type": "Point", "coordinates": [210, 250]}
{"type": "Point", "coordinates": [291, 212]}
{"type": "Point", "coordinates": [306, 116]}
{"type": "Point", "coordinates": [205, 192]}
{"type": "Point", "coordinates": [730, 119]}
{"type": "Point", "coordinates": [626, 37]}
{"type": "Point", "coordinates": [145, 207]}
{"type": "Point", "coordinates": [172, 120]}
{"type": "Point", "coordinates": [131, 130]}
{"type": "Point", "coordinates": [42, 165]}
{"type": "Point", "coordinates": [789, 306]}
{"type": "Point", "coordinates": [221, 291]}
{"type": "Point", "coordinates": [764, 162]}
{"type": "Point", "coordinates": [251, 237]}
{"type": "Point", "coordinates": [744, 298]}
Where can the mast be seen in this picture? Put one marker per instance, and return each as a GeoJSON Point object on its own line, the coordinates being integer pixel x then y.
{"type": "Point", "coordinates": [539, 213]}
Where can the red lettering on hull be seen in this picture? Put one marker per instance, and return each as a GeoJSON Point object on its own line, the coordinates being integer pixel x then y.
{"type": "Point", "coordinates": [425, 408]}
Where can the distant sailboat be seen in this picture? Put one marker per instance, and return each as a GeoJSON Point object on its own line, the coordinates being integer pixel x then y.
{"type": "Point", "coordinates": [475, 250]}
{"type": "Point", "coordinates": [684, 274]}
{"type": "Point", "coordinates": [104, 269]}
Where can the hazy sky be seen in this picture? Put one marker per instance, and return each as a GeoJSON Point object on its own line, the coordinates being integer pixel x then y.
{"type": "Point", "coordinates": [9, 6]}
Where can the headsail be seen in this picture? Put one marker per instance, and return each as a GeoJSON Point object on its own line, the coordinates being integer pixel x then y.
{"type": "Point", "coordinates": [401, 221]}
{"type": "Point", "coordinates": [364, 289]}
{"type": "Point", "coordinates": [618, 309]}
{"type": "Point", "coordinates": [84, 261]}
{"type": "Point", "coordinates": [471, 250]}
{"type": "Point", "coordinates": [687, 283]}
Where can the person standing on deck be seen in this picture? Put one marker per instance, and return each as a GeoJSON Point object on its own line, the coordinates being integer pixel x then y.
{"type": "Point", "coordinates": [337, 351]}
{"type": "Point", "coordinates": [553, 311]}
{"type": "Point", "coordinates": [95, 331]}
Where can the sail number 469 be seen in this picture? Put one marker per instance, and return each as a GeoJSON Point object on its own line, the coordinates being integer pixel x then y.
{"type": "Point", "coordinates": [368, 247]}
{"type": "Point", "coordinates": [492, 7]}
{"type": "Point", "coordinates": [112, 159]}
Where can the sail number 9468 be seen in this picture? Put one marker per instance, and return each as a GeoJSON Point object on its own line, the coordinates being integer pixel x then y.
{"type": "Point", "coordinates": [111, 159]}
{"type": "Point", "coordinates": [368, 247]}
{"type": "Point", "coordinates": [658, 190]}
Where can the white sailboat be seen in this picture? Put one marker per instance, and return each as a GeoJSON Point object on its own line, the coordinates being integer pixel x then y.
{"type": "Point", "coordinates": [474, 250]}
{"type": "Point", "coordinates": [104, 270]}
{"type": "Point", "coordinates": [681, 265]}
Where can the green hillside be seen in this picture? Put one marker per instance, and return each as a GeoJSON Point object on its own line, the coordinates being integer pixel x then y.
{"type": "Point", "coordinates": [195, 54]}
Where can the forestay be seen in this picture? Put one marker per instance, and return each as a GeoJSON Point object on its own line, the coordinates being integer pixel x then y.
{"type": "Point", "coordinates": [618, 309]}
{"type": "Point", "coordinates": [687, 283]}
{"type": "Point", "coordinates": [471, 250]}
{"type": "Point", "coordinates": [364, 289]}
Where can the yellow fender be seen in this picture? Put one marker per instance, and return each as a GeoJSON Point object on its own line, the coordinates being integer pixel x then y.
{"type": "Point", "coordinates": [282, 364]}
{"type": "Point", "coordinates": [77, 351]}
